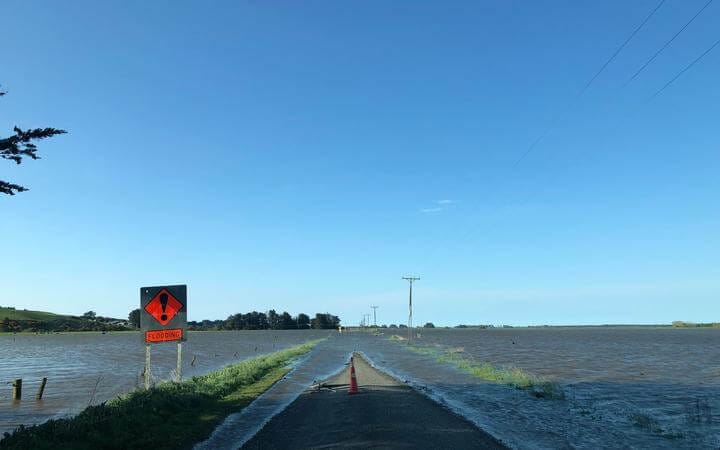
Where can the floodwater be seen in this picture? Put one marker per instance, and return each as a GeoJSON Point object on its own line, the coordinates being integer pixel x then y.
{"type": "Point", "coordinates": [88, 368]}
{"type": "Point", "coordinates": [624, 387]}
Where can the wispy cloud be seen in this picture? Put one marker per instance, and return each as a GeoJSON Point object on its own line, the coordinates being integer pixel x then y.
{"type": "Point", "coordinates": [440, 205]}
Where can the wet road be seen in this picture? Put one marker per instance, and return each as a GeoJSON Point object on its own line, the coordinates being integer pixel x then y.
{"type": "Point", "coordinates": [383, 414]}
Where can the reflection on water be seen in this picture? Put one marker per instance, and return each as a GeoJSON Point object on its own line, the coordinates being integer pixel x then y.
{"type": "Point", "coordinates": [91, 367]}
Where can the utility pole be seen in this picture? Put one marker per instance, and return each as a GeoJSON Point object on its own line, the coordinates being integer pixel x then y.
{"type": "Point", "coordinates": [411, 280]}
{"type": "Point", "coordinates": [374, 315]}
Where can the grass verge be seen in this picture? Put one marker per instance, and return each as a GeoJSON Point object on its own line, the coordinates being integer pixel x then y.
{"type": "Point", "coordinates": [649, 424]}
{"type": "Point", "coordinates": [536, 385]}
{"type": "Point", "coordinates": [168, 416]}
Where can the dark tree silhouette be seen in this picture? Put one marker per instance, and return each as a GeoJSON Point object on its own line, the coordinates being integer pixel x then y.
{"type": "Point", "coordinates": [286, 321]}
{"type": "Point", "coordinates": [303, 321]}
{"type": "Point", "coordinates": [134, 318]}
{"type": "Point", "coordinates": [325, 321]}
{"type": "Point", "coordinates": [20, 146]}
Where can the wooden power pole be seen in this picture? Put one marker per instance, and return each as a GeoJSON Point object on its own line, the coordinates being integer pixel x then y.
{"type": "Point", "coordinates": [411, 280]}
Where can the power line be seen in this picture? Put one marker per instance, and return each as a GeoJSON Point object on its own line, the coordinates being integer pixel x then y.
{"type": "Point", "coordinates": [632, 35]}
{"type": "Point", "coordinates": [589, 83]}
{"type": "Point", "coordinates": [685, 69]}
{"type": "Point", "coordinates": [652, 58]}
{"type": "Point", "coordinates": [564, 112]}
{"type": "Point", "coordinates": [544, 134]}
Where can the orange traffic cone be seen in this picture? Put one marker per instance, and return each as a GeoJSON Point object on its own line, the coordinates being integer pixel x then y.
{"type": "Point", "coordinates": [353, 379]}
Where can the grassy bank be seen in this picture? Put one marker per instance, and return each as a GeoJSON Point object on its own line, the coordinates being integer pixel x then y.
{"type": "Point", "coordinates": [24, 314]}
{"type": "Point", "coordinates": [170, 415]}
{"type": "Point", "coordinates": [536, 385]}
{"type": "Point", "coordinates": [20, 321]}
{"type": "Point", "coordinates": [681, 324]}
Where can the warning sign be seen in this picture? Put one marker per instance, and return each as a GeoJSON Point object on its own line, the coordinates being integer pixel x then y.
{"type": "Point", "coordinates": [163, 307]}
{"type": "Point", "coordinates": [164, 335]}
{"type": "Point", "coordinates": [163, 313]}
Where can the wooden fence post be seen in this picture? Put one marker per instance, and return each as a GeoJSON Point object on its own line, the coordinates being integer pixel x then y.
{"type": "Point", "coordinates": [42, 389]}
{"type": "Point", "coordinates": [17, 389]}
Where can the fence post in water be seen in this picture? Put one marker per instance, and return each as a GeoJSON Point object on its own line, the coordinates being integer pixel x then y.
{"type": "Point", "coordinates": [179, 362]}
{"type": "Point", "coordinates": [147, 366]}
{"type": "Point", "coordinates": [17, 389]}
{"type": "Point", "coordinates": [42, 389]}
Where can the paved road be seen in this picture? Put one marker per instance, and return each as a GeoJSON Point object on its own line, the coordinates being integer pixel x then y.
{"type": "Point", "coordinates": [385, 414]}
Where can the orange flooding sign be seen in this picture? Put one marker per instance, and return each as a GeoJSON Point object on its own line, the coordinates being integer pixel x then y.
{"type": "Point", "coordinates": [163, 307]}
{"type": "Point", "coordinates": [174, 334]}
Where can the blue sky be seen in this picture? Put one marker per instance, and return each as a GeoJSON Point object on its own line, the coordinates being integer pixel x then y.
{"type": "Point", "coordinates": [304, 156]}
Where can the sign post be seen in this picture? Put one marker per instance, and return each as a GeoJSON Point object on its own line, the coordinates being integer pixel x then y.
{"type": "Point", "coordinates": [163, 318]}
{"type": "Point", "coordinates": [146, 372]}
{"type": "Point", "coordinates": [178, 370]}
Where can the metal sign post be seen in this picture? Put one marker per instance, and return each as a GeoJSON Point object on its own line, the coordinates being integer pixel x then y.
{"type": "Point", "coordinates": [163, 318]}
{"type": "Point", "coordinates": [178, 369]}
{"type": "Point", "coordinates": [147, 367]}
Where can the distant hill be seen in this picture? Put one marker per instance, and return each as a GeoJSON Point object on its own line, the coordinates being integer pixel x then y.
{"type": "Point", "coordinates": [24, 314]}
{"type": "Point", "coordinates": [16, 320]}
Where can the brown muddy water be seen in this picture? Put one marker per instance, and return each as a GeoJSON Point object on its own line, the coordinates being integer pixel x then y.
{"type": "Point", "coordinates": [625, 387]}
{"type": "Point", "coordinates": [88, 368]}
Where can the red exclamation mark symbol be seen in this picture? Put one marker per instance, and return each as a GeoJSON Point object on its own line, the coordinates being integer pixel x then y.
{"type": "Point", "coordinates": [163, 305]}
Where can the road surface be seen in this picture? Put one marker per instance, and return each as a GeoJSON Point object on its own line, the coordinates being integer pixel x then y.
{"type": "Point", "coordinates": [384, 414]}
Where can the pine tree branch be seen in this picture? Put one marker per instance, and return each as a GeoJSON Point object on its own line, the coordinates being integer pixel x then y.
{"type": "Point", "coordinates": [19, 146]}
{"type": "Point", "coordinates": [10, 189]}
{"type": "Point", "coordinates": [15, 148]}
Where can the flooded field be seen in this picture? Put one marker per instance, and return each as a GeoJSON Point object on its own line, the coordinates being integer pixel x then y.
{"type": "Point", "coordinates": [637, 387]}
{"type": "Point", "coordinates": [594, 353]}
{"type": "Point", "coordinates": [623, 387]}
{"type": "Point", "coordinates": [85, 368]}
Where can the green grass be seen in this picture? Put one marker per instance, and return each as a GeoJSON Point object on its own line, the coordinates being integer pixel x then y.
{"type": "Point", "coordinates": [536, 385]}
{"type": "Point", "coordinates": [22, 314]}
{"type": "Point", "coordinates": [649, 424]}
{"type": "Point", "coordinates": [168, 416]}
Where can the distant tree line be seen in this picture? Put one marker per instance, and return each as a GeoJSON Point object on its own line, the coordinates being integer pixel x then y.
{"type": "Point", "coordinates": [392, 325]}
{"type": "Point", "coordinates": [681, 324]}
{"type": "Point", "coordinates": [283, 321]}
{"type": "Point", "coordinates": [254, 320]}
